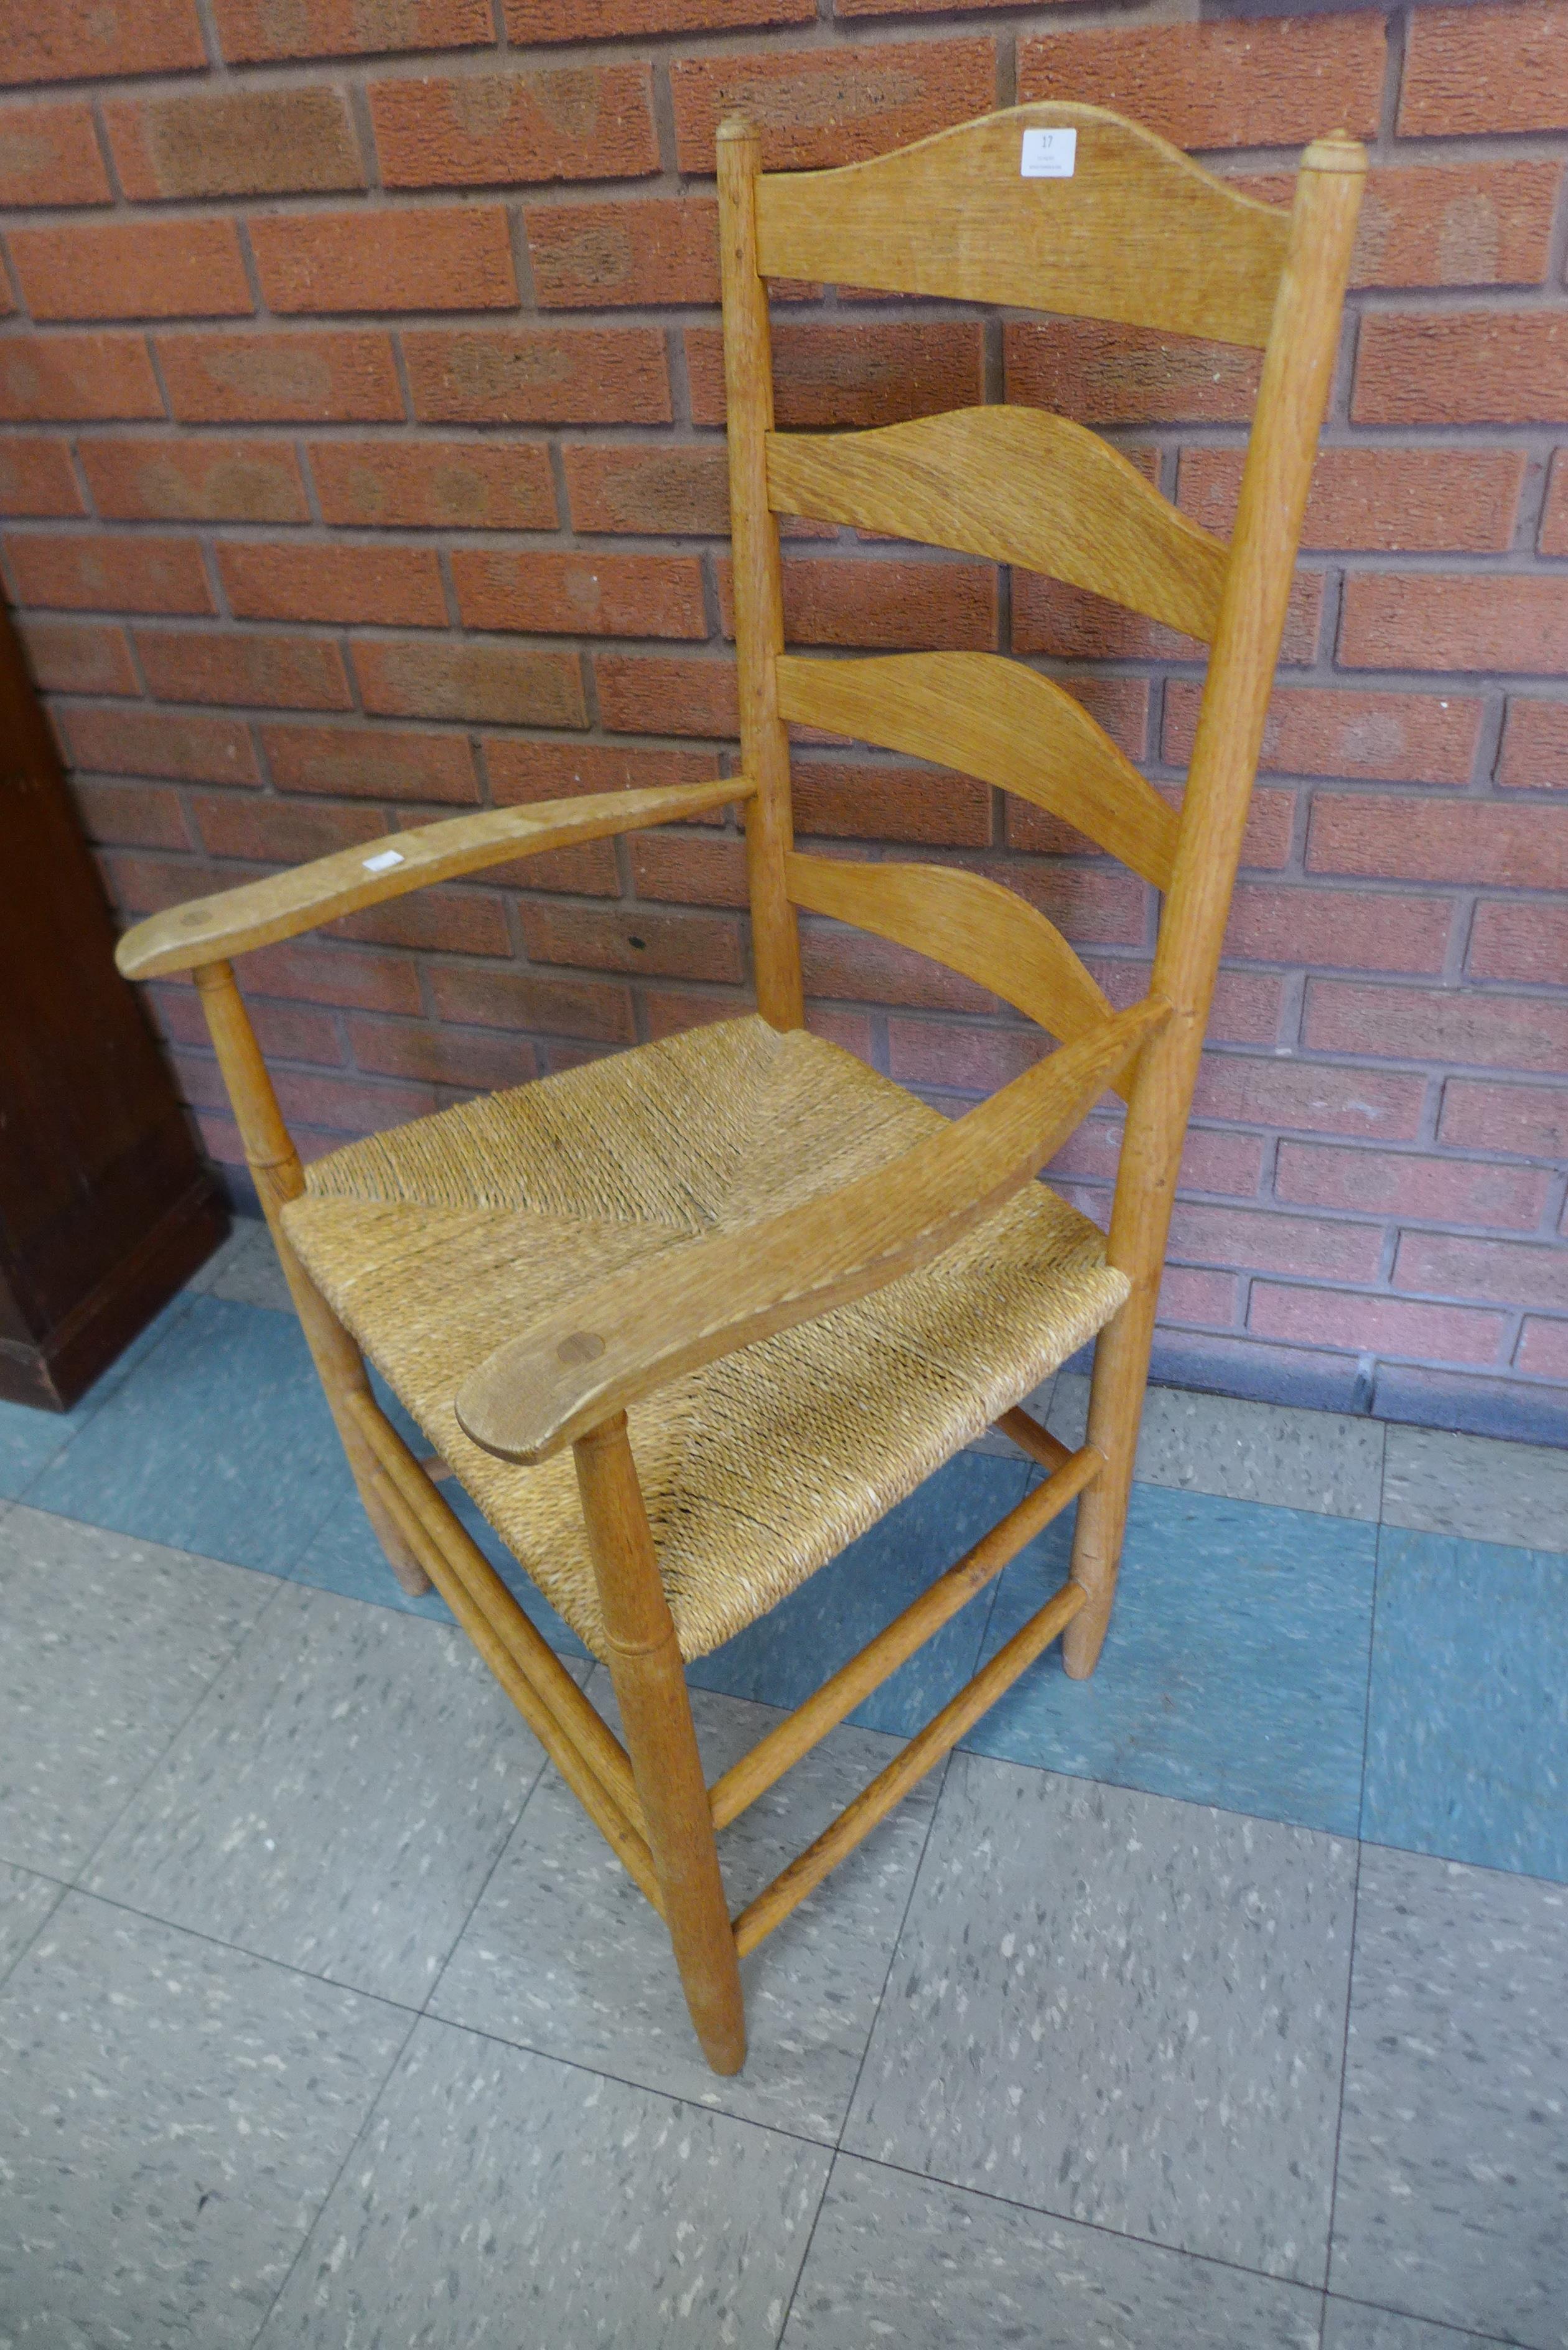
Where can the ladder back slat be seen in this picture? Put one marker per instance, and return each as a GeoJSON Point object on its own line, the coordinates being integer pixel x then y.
{"type": "Point", "coordinates": [1020, 485]}
{"type": "Point", "coordinates": [970, 924]}
{"type": "Point", "coordinates": [992, 717]}
{"type": "Point", "coordinates": [1137, 233]}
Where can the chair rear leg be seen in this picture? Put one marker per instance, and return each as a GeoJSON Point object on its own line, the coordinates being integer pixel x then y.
{"type": "Point", "coordinates": [1115, 1411]}
{"type": "Point", "coordinates": [644, 1659]}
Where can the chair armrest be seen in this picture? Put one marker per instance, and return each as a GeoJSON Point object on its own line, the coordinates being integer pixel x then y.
{"type": "Point", "coordinates": [653, 1322]}
{"type": "Point", "coordinates": [211, 929]}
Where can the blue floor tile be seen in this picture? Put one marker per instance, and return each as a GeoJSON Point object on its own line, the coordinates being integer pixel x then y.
{"type": "Point", "coordinates": [1235, 1669]}
{"type": "Point", "coordinates": [1467, 1750]}
{"type": "Point", "coordinates": [29, 1440]}
{"type": "Point", "coordinates": [218, 1441]}
{"type": "Point", "coordinates": [790, 1652]}
{"type": "Point", "coordinates": [343, 1556]}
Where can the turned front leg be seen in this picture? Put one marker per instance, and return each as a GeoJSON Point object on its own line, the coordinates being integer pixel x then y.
{"type": "Point", "coordinates": [644, 1659]}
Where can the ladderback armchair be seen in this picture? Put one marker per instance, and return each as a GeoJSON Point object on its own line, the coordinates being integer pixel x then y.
{"type": "Point", "coordinates": [685, 1321]}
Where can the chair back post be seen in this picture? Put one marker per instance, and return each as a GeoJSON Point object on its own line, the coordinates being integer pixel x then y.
{"type": "Point", "coordinates": [1298, 366]}
{"type": "Point", "coordinates": [757, 587]}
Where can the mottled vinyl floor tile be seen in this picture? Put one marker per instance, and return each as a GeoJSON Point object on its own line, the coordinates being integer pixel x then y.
{"type": "Point", "coordinates": [564, 1954]}
{"type": "Point", "coordinates": [1234, 1671]}
{"type": "Point", "coordinates": [921, 2266]}
{"type": "Point", "coordinates": [1325, 1462]}
{"type": "Point", "coordinates": [171, 2117]}
{"type": "Point", "coordinates": [1467, 1746]}
{"type": "Point", "coordinates": [1110, 2032]}
{"type": "Point", "coordinates": [1477, 1486]}
{"type": "Point", "coordinates": [788, 1653]}
{"type": "Point", "coordinates": [107, 1646]}
{"type": "Point", "coordinates": [338, 1799]}
{"type": "Point", "coordinates": [1121, 2010]}
{"type": "Point", "coordinates": [344, 1557]}
{"type": "Point", "coordinates": [25, 1901]}
{"type": "Point", "coordinates": [30, 1439]}
{"type": "Point", "coordinates": [501, 2198]}
{"type": "Point", "coordinates": [1453, 2162]}
{"type": "Point", "coordinates": [1352, 2325]}
{"type": "Point", "coordinates": [219, 1442]}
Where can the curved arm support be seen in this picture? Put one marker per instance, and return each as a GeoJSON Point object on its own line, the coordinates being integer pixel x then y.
{"type": "Point", "coordinates": [651, 1323]}
{"type": "Point", "coordinates": [257, 913]}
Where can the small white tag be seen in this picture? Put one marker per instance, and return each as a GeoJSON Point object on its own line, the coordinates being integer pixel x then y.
{"type": "Point", "coordinates": [385, 861]}
{"type": "Point", "coordinates": [1048, 155]}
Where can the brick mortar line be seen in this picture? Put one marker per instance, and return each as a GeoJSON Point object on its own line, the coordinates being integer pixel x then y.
{"type": "Point", "coordinates": [1417, 299]}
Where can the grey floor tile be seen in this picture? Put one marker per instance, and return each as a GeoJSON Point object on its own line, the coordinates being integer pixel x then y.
{"type": "Point", "coordinates": [1324, 1461]}
{"type": "Point", "coordinates": [245, 1269]}
{"type": "Point", "coordinates": [900, 2260]}
{"type": "Point", "coordinates": [1453, 2165]}
{"type": "Point", "coordinates": [564, 1954]}
{"type": "Point", "coordinates": [501, 2198]}
{"type": "Point", "coordinates": [1123, 2010]}
{"type": "Point", "coordinates": [1476, 1485]}
{"type": "Point", "coordinates": [171, 2117]}
{"type": "Point", "coordinates": [106, 1646]}
{"type": "Point", "coordinates": [1352, 2325]}
{"type": "Point", "coordinates": [25, 1901]}
{"type": "Point", "coordinates": [338, 1799]}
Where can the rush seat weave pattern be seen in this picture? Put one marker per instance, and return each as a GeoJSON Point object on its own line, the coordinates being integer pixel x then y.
{"type": "Point", "coordinates": [438, 1241]}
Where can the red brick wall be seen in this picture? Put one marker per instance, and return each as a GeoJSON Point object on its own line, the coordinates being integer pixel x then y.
{"type": "Point", "coordinates": [358, 434]}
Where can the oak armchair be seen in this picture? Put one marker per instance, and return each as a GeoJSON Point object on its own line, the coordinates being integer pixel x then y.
{"type": "Point", "coordinates": [685, 1321]}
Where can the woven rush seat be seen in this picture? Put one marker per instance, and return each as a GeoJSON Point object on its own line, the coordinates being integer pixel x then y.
{"type": "Point", "coordinates": [437, 1242]}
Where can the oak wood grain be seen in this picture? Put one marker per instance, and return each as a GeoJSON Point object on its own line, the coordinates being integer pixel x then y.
{"type": "Point", "coordinates": [644, 1657]}
{"type": "Point", "coordinates": [1020, 486]}
{"type": "Point", "coordinates": [992, 718]}
{"type": "Point", "coordinates": [1138, 233]}
{"type": "Point", "coordinates": [970, 924]}
{"type": "Point", "coordinates": [257, 913]}
{"type": "Point", "coordinates": [566, 1726]}
{"type": "Point", "coordinates": [758, 587]}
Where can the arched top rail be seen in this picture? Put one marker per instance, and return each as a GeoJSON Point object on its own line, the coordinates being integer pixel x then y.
{"type": "Point", "coordinates": [1134, 232]}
